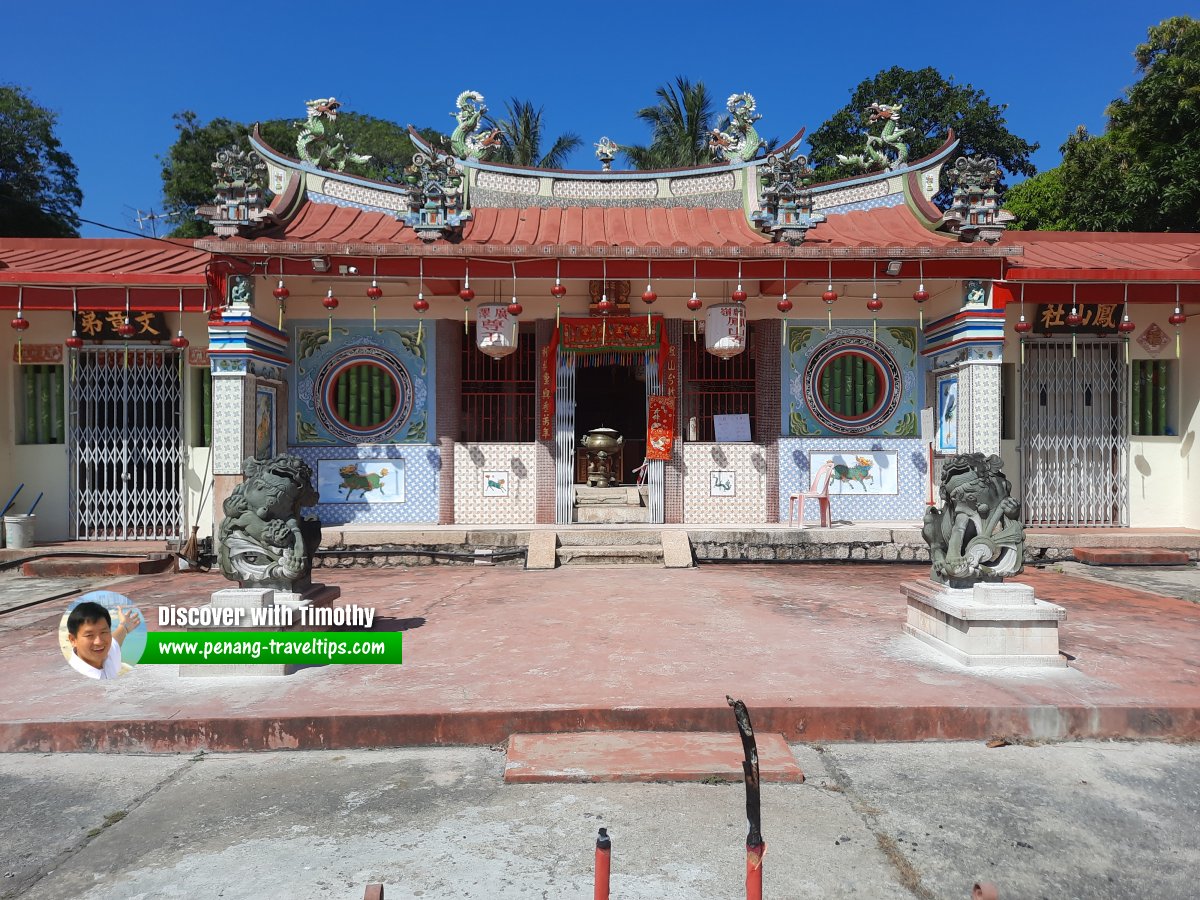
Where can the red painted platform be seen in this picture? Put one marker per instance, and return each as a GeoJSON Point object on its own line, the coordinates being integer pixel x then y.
{"type": "Point", "coordinates": [1130, 556]}
{"type": "Point", "coordinates": [644, 756]}
{"type": "Point", "coordinates": [816, 651]}
{"type": "Point", "coordinates": [64, 566]}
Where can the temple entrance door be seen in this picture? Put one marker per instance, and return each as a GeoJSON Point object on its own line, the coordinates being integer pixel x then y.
{"type": "Point", "coordinates": [1074, 434]}
{"type": "Point", "coordinates": [125, 456]}
{"type": "Point", "coordinates": [612, 396]}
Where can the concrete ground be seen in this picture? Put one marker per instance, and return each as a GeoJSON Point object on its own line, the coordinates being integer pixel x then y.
{"type": "Point", "coordinates": [1093, 820]}
{"type": "Point", "coordinates": [816, 651]}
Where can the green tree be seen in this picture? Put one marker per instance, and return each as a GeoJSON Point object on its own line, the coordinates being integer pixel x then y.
{"type": "Point", "coordinates": [521, 134]}
{"type": "Point", "coordinates": [39, 187]}
{"type": "Point", "coordinates": [187, 165]}
{"type": "Point", "coordinates": [931, 104]}
{"type": "Point", "coordinates": [1038, 202]}
{"type": "Point", "coordinates": [1143, 173]}
{"type": "Point", "coordinates": [680, 123]}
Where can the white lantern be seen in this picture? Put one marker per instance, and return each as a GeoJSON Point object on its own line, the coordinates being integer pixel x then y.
{"type": "Point", "coordinates": [725, 329]}
{"type": "Point", "coordinates": [495, 330]}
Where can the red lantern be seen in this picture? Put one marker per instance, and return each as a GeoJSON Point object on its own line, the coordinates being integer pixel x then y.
{"type": "Point", "coordinates": [75, 342]}
{"type": "Point", "coordinates": [558, 291]}
{"type": "Point", "coordinates": [784, 305]}
{"type": "Point", "coordinates": [20, 324]}
{"type": "Point", "coordinates": [515, 308]}
{"type": "Point", "coordinates": [1126, 326]}
{"type": "Point", "coordinates": [1073, 318]}
{"type": "Point", "coordinates": [694, 302]}
{"type": "Point", "coordinates": [604, 306]}
{"type": "Point", "coordinates": [126, 330]}
{"type": "Point", "coordinates": [329, 301]}
{"type": "Point", "coordinates": [421, 304]}
{"type": "Point", "coordinates": [874, 304]}
{"type": "Point", "coordinates": [830, 295]}
{"type": "Point", "coordinates": [1176, 318]}
{"type": "Point", "coordinates": [466, 295]}
{"type": "Point", "coordinates": [739, 296]}
{"type": "Point", "coordinates": [374, 292]}
{"type": "Point", "coordinates": [1022, 327]}
{"type": "Point", "coordinates": [648, 296]}
{"type": "Point", "coordinates": [281, 293]}
{"type": "Point", "coordinates": [179, 342]}
{"type": "Point", "coordinates": [920, 294]}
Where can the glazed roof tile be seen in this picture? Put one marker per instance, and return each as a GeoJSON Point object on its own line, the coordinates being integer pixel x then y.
{"type": "Point", "coordinates": [1064, 255]}
{"type": "Point", "coordinates": [100, 261]}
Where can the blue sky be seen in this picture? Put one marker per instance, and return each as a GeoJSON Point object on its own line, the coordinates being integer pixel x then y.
{"type": "Point", "coordinates": [116, 72]}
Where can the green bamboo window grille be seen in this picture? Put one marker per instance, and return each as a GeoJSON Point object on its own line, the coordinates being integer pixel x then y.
{"type": "Point", "coordinates": [1150, 401]}
{"type": "Point", "coordinates": [202, 407]}
{"type": "Point", "coordinates": [364, 395]}
{"type": "Point", "coordinates": [850, 385]}
{"type": "Point", "coordinates": [42, 418]}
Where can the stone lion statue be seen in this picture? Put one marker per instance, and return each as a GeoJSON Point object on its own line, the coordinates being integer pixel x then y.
{"type": "Point", "coordinates": [976, 535]}
{"type": "Point", "coordinates": [263, 541]}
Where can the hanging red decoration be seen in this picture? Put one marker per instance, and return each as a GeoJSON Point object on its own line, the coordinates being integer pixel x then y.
{"type": "Point", "coordinates": [1176, 318]}
{"type": "Point", "coordinates": [20, 323]}
{"type": "Point", "coordinates": [605, 305]}
{"type": "Point", "coordinates": [830, 295]}
{"type": "Point", "coordinates": [1022, 327]}
{"type": "Point", "coordinates": [126, 329]}
{"type": "Point", "coordinates": [874, 304]}
{"type": "Point", "coordinates": [694, 302]}
{"type": "Point", "coordinates": [467, 294]}
{"type": "Point", "coordinates": [739, 296]}
{"type": "Point", "coordinates": [374, 292]}
{"type": "Point", "coordinates": [1126, 326]}
{"type": "Point", "coordinates": [784, 305]}
{"type": "Point", "coordinates": [421, 304]}
{"type": "Point", "coordinates": [179, 342]}
{"type": "Point", "coordinates": [515, 308]}
{"type": "Point", "coordinates": [920, 294]}
{"type": "Point", "coordinates": [281, 292]}
{"type": "Point", "coordinates": [648, 296]}
{"type": "Point", "coordinates": [1073, 317]}
{"type": "Point", "coordinates": [329, 301]}
{"type": "Point", "coordinates": [75, 342]}
{"type": "Point", "coordinates": [558, 291]}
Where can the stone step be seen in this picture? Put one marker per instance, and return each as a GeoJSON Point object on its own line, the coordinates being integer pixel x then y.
{"type": "Point", "coordinates": [627, 555]}
{"type": "Point", "coordinates": [63, 566]}
{"type": "Point", "coordinates": [611, 515]}
{"type": "Point", "coordinates": [1130, 556]}
{"type": "Point", "coordinates": [625, 756]}
{"type": "Point", "coordinates": [613, 496]}
{"type": "Point", "coordinates": [597, 537]}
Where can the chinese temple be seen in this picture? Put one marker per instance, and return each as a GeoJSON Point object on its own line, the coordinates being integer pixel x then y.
{"type": "Point", "coordinates": [494, 345]}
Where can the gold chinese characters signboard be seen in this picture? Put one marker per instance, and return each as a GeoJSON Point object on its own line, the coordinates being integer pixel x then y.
{"type": "Point", "coordinates": [102, 326]}
{"type": "Point", "coordinates": [1095, 318]}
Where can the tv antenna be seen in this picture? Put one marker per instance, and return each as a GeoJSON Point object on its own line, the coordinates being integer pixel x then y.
{"type": "Point", "coordinates": [152, 217]}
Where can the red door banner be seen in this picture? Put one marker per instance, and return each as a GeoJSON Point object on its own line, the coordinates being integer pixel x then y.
{"type": "Point", "coordinates": [660, 427]}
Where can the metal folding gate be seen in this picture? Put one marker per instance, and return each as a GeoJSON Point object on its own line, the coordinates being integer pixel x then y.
{"type": "Point", "coordinates": [126, 459]}
{"type": "Point", "coordinates": [1074, 434]}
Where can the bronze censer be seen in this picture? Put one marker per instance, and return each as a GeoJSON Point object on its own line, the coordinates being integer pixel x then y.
{"type": "Point", "coordinates": [601, 445]}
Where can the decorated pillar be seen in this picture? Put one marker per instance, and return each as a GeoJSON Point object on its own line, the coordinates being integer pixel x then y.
{"type": "Point", "coordinates": [248, 357]}
{"type": "Point", "coordinates": [965, 350]}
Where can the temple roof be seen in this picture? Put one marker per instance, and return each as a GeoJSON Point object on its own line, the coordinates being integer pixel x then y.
{"type": "Point", "coordinates": [1084, 255]}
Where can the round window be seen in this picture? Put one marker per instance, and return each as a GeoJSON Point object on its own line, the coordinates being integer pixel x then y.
{"type": "Point", "coordinates": [852, 385]}
{"type": "Point", "coordinates": [365, 394]}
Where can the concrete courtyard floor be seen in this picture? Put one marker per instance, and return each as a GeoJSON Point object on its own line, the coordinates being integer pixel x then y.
{"type": "Point", "coordinates": [816, 651]}
{"type": "Point", "coordinates": [1095, 820]}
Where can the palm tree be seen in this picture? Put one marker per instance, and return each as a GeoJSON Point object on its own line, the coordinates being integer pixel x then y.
{"type": "Point", "coordinates": [521, 138]}
{"type": "Point", "coordinates": [681, 123]}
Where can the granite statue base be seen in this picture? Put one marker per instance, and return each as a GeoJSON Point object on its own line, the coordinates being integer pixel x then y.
{"type": "Point", "coordinates": [261, 609]}
{"type": "Point", "coordinates": [990, 624]}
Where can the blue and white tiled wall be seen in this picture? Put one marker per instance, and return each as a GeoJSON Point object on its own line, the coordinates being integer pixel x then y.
{"type": "Point", "coordinates": [912, 473]}
{"type": "Point", "coordinates": [422, 466]}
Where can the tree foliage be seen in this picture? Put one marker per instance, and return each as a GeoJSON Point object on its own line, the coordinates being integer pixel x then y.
{"type": "Point", "coordinates": [680, 123]}
{"type": "Point", "coordinates": [39, 187]}
{"type": "Point", "coordinates": [187, 173]}
{"type": "Point", "coordinates": [931, 104]}
{"type": "Point", "coordinates": [1143, 173]}
{"type": "Point", "coordinates": [521, 134]}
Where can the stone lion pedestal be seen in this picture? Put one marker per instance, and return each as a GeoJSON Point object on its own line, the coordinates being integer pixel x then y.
{"type": "Point", "coordinates": [985, 625]}
{"type": "Point", "coordinates": [966, 610]}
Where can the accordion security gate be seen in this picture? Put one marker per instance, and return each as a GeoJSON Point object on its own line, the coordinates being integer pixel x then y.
{"type": "Point", "coordinates": [126, 459]}
{"type": "Point", "coordinates": [1074, 434]}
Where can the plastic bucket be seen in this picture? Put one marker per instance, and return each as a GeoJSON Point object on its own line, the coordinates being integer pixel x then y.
{"type": "Point", "coordinates": [18, 531]}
